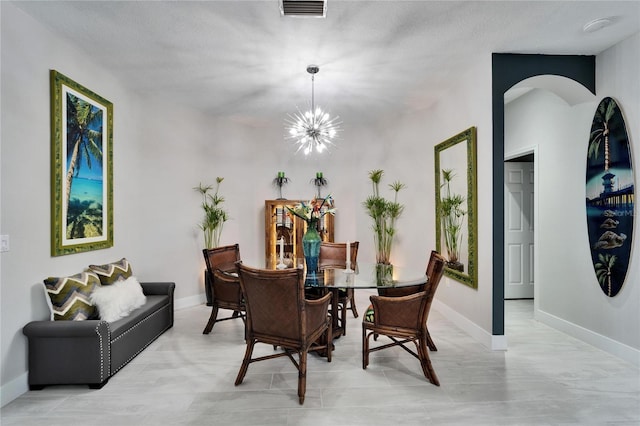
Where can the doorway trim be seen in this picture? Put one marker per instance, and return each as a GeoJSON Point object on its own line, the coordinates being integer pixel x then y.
{"type": "Point", "coordinates": [536, 164]}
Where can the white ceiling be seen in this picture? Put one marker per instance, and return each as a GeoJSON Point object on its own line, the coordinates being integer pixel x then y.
{"type": "Point", "coordinates": [242, 58]}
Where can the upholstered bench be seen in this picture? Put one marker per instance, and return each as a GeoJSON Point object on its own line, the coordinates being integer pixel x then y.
{"type": "Point", "coordinates": [90, 351]}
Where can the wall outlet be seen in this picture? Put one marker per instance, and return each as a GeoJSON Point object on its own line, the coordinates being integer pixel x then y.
{"type": "Point", "coordinates": [4, 243]}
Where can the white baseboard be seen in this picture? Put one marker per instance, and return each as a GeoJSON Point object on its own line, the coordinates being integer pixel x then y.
{"type": "Point", "coordinates": [615, 348]}
{"type": "Point", "coordinates": [499, 342]}
{"type": "Point", "coordinates": [188, 302]}
{"type": "Point", "coordinates": [495, 343]}
{"type": "Point", "coordinates": [13, 389]}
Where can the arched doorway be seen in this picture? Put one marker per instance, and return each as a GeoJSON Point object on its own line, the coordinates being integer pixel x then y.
{"type": "Point", "coordinates": [507, 71]}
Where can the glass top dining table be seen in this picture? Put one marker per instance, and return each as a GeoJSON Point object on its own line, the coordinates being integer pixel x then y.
{"type": "Point", "coordinates": [364, 276]}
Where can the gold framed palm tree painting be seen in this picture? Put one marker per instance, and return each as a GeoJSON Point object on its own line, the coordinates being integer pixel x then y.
{"type": "Point", "coordinates": [609, 196]}
{"type": "Point", "coordinates": [81, 168]}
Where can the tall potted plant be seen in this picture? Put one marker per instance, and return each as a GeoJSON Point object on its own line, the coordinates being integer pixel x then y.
{"type": "Point", "coordinates": [384, 214]}
{"type": "Point", "coordinates": [452, 215]}
{"type": "Point", "coordinates": [214, 215]}
{"type": "Point", "coordinates": [212, 222]}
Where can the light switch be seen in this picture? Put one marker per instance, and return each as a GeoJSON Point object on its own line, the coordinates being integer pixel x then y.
{"type": "Point", "coordinates": [4, 243]}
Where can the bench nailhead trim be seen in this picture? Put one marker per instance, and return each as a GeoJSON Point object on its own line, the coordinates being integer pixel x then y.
{"type": "Point", "coordinates": [147, 344]}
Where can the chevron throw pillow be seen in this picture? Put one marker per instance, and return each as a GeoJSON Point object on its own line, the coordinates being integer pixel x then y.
{"type": "Point", "coordinates": [112, 272]}
{"type": "Point", "coordinates": [70, 297]}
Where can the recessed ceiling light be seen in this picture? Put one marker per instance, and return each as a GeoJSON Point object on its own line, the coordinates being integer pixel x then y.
{"type": "Point", "coordinates": [597, 24]}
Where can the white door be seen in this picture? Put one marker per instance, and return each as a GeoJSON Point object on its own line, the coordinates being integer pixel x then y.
{"type": "Point", "coordinates": [518, 204]}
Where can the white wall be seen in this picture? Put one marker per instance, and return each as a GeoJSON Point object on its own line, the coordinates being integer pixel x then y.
{"type": "Point", "coordinates": [567, 291]}
{"type": "Point", "coordinates": [162, 151]}
{"type": "Point", "coordinates": [416, 135]}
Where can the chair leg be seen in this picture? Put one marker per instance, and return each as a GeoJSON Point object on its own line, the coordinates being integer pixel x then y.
{"type": "Point", "coordinates": [365, 349]}
{"type": "Point", "coordinates": [425, 362]}
{"type": "Point", "coordinates": [302, 376]}
{"type": "Point", "coordinates": [344, 317]}
{"type": "Point", "coordinates": [329, 342]}
{"type": "Point", "coordinates": [430, 344]}
{"type": "Point", "coordinates": [212, 318]}
{"type": "Point", "coordinates": [245, 362]}
{"type": "Point", "coordinates": [352, 301]}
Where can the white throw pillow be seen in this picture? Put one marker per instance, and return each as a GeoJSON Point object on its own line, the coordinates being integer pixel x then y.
{"type": "Point", "coordinates": [119, 299]}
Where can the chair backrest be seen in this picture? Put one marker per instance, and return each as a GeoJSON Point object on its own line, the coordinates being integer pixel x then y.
{"type": "Point", "coordinates": [223, 258]}
{"type": "Point", "coordinates": [435, 270]}
{"type": "Point", "coordinates": [415, 300]}
{"type": "Point", "coordinates": [274, 301]}
{"type": "Point", "coordinates": [402, 291]}
{"type": "Point", "coordinates": [406, 312]}
{"type": "Point", "coordinates": [434, 259]}
{"type": "Point", "coordinates": [334, 255]}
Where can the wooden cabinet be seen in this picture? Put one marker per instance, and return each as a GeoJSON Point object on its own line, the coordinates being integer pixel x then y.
{"type": "Point", "coordinates": [279, 223]}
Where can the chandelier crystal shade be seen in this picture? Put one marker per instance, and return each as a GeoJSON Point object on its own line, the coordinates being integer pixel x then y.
{"type": "Point", "coordinates": [315, 129]}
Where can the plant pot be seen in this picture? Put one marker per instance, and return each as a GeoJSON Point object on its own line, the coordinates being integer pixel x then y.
{"type": "Point", "coordinates": [384, 274]}
{"type": "Point", "coordinates": [457, 266]}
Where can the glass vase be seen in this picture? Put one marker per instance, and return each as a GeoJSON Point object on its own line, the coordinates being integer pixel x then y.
{"type": "Point", "coordinates": [384, 274]}
{"type": "Point", "coordinates": [311, 247]}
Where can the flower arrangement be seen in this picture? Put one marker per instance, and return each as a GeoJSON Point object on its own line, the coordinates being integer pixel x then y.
{"type": "Point", "coordinates": [214, 215]}
{"type": "Point", "coordinates": [384, 214]}
{"type": "Point", "coordinates": [313, 210]}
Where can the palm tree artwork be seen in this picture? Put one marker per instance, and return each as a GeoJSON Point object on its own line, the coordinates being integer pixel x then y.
{"type": "Point", "coordinates": [84, 150]}
{"type": "Point", "coordinates": [610, 196]}
{"type": "Point", "coordinates": [603, 271]}
{"type": "Point", "coordinates": [600, 131]}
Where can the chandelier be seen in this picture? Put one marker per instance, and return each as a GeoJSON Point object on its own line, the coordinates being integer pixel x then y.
{"type": "Point", "coordinates": [315, 129]}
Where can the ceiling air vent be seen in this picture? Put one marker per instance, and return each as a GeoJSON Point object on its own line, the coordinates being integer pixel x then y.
{"type": "Point", "coordinates": [304, 8]}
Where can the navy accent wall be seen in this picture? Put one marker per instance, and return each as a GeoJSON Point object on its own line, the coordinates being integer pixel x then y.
{"type": "Point", "coordinates": [507, 70]}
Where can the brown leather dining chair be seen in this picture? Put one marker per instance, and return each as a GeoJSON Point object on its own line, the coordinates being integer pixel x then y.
{"type": "Point", "coordinates": [431, 273]}
{"type": "Point", "coordinates": [225, 288]}
{"type": "Point", "coordinates": [403, 319]}
{"type": "Point", "coordinates": [278, 314]}
{"type": "Point", "coordinates": [334, 255]}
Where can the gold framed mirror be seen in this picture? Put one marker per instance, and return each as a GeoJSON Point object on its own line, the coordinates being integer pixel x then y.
{"type": "Point", "coordinates": [456, 206]}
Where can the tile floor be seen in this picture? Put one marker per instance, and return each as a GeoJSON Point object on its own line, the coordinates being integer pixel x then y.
{"type": "Point", "coordinates": [187, 378]}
